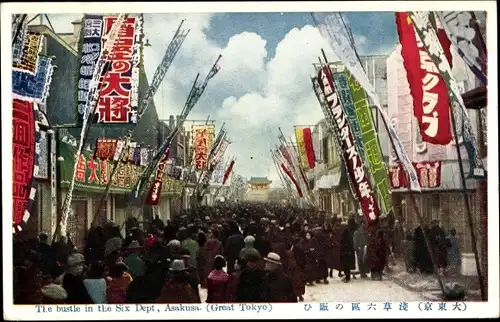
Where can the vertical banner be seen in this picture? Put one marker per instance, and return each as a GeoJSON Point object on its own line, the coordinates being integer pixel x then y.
{"type": "Point", "coordinates": [203, 139]}
{"type": "Point", "coordinates": [23, 160]}
{"type": "Point", "coordinates": [90, 50]}
{"type": "Point", "coordinates": [53, 183]}
{"type": "Point", "coordinates": [433, 47]}
{"type": "Point", "coordinates": [153, 197]}
{"type": "Point", "coordinates": [290, 175]}
{"type": "Point", "coordinates": [309, 147]}
{"type": "Point", "coordinates": [33, 87]}
{"type": "Point", "coordinates": [428, 89]}
{"type": "Point", "coordinates": [463, 31]}
{"type": "Point", "coordinates": [355, 166]}
{"type": "Point", "coordinates": [429, 175]}
{"type": "Point", "coordinates": [373, 152]}
{"type": "Point", "coordinates": [228, 172]}
{"type": "Point", "coordinates": [333, 30]}
{"type": "Point", "coordinates": [118, 88]}
{"type": "Point", "coordinates": [301, 147]}
{"type": "Point", "coordinates": [19, 41]}
{"type": "Point", "coordinates": [31, 49]}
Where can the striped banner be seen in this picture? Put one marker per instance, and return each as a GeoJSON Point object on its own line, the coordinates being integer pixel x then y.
{"type": "Point", "coordinates": [301, 147]}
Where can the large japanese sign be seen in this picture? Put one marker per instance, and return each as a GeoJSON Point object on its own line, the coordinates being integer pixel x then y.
{"type": "Point", "coordinates": [430, 40]}
{"type": "Point", "coordinates": [431, 106]}
{"type": "Point", "coordinates": [93, 174]}
{"type": "Point", "coordinates": [28, 61]}
{"type": "Point", "coordinates": [203, 140]}
{"type": "Point", "coordinates": [23, 160]}
{"type": "Point", "coordinates": [373, 151]}
{"type": "Point", "coordinates": [428, 173]}
{"type": "Point", "coordinates": [118, 97]}
{"type": "Point", "coordinates": [354, 163]}
{"type": "Point", "coordinates": [33, 87]}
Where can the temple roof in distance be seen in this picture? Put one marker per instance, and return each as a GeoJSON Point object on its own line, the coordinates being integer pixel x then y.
{"type": "Point", "coordinates": [259, 180]}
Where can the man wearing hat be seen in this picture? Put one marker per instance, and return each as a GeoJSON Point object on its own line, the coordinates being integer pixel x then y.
{"type": "Point", "coordinates": [133, 261]}
{"type": "Point", "coordinates": [177, 289]}
{"type": "Point", "coordinates": [279, 285]}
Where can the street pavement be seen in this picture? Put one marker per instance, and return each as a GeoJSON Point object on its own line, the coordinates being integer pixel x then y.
{"type": "Point", "coordinates": [359, 290]}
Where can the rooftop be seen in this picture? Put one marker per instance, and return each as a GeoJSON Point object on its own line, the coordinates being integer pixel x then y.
{"type": "Point", "coordinates": [259, 180]}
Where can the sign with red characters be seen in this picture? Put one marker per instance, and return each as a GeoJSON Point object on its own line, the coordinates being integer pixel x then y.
{"type": "Point", "coordinates": [23, 146]}
{"type": "Point", "coordinates": [119, 84]}
{"type": "Point", "coordinates": [428, 174]}
{"type": "Point", "coordinates": [354, 162]}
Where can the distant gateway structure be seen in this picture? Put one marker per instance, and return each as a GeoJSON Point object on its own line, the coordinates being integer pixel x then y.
{"type": "Point", "coordinates": [258, 189]}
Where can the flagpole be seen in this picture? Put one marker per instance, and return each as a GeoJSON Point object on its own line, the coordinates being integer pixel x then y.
{"type": "Point", "coordinates": [280, 175]}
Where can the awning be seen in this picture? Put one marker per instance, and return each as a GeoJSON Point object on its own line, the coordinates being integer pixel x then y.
{"type": "Point", "coordinates": [451, 178]}
{"type": "Point", "coordinates": [328, 181]}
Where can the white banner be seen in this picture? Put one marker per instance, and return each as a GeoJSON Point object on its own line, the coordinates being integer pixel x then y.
{"type": "Point", "coordinates": [332, 29]}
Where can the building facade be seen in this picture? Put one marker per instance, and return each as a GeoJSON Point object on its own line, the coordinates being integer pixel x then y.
{"type": "Point", "coordinates": [258, 189]}
{"type": "Point", "coordinates": [444, 202]}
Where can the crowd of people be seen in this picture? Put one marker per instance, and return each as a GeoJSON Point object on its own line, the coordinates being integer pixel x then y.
{"type": "Point", "coordinates": [239, 253]}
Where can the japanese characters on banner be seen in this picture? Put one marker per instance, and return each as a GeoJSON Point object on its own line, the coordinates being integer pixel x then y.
{"type": "Point", "coordinates": [333, 30]}
{"type": "Point", "coordinates": [219, 153]}
{"type": "Point", "coordinates": [23, 161]}
{"type": "Point", "coordinates": [172, 170]}
{"type": "Point", "coordinates": [31, 48]}
{"type": "Point", "coordinates": [463, 31]}
{"type": "Point", "coordinates": [110, 149]}
{"type": "Point", "coordinates": [355, 166]}
{"type": "Point", "coordinates": [153, 196]}
{"type": "Point", "coordinates": [428, 36]}
{"type": "Point", "coordinates": [431, 106]}
{"type": "Point", "coordinates": [203, 140]}
{"type": "Point", "coordinates": [118, 101]}
{"type": "Point", "coordinates": [43, 157]}
{"type": "Point", "coordinates": [33, 87]}
{"type": "Point", "coordinates": [373, 151]}
{"type": "Point", "coordinates": [429, 175]}
{"type": "Point", "coordinates": [218, 174]}
{"type": "Point", "coordinates": [301, 147]}
{"type": "Point", "coordinates": [93, 174]}
{"type": "Point", "coordinates": [19, 41]}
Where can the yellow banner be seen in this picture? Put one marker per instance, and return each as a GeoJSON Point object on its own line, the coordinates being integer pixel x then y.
{"type": "Point", "coordinates": [301, 147]}
{"type": "Point", "coordinates": [203, 137]}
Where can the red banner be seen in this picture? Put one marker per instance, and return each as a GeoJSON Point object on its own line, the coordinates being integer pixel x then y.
{"type": "Point", "coordinates": [308, 142]}
{"type": "Point", "coordinates": [427, 87]}
{"type": "Point", "coordinates": [228, 172]}
{"type": "Point", "coordinates": [153, 197]}
{"type": "Point", "coordinates": [428, 174]}
{"type": "Point", "coordinates": [23, 160]}
{"type": "Point", "coordinates": [286, 155]}
{"type": "Point", "coordinates": [290, 175]}
{"type": "Point", "coordinates": [354, 163]}
{"type": "Point", "coordinates": [105, 149]}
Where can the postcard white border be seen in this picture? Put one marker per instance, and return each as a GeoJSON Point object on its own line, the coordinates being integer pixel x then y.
{"type": "Point", "coordinates": [490, 309]}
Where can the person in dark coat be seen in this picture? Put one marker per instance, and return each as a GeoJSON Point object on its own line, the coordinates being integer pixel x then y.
{"type": "Point", "coordinates": [377, 255]}
{"type": "Point", "coordinates": [310, 268]}
{"type": "Point", "coordinates": [233, 246]}
{"type": "Point", "coordinates": [94, 245]}
{"type": "Point", "coordinates": [72, 281]}
{"type": "Point", "coordinates": [422, 255]}
{"type": "Point", "coordinates": [252, 284]}
{"type": "Point", "coordinates": [320, 242]}
{"type": "Point", "coordinates": [191, 271]}
{"type": "Point", "coordinates": [158, 223]}
{"type": "Point", "coordinates": [177, 289]}
{"type": "Point", "coordinates": [146, 289]}
{"type": "Point", "coordinates": [280, 289]}
{"type": "Point", "coordinates": [347, 252]}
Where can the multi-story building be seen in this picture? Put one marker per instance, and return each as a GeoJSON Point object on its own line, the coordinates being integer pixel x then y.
{"type": "Point", "coordinates": [444, 202]}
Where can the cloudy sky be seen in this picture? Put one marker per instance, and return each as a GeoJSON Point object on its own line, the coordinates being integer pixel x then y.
{"type": "Point", "coordinates": [264, 81]}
